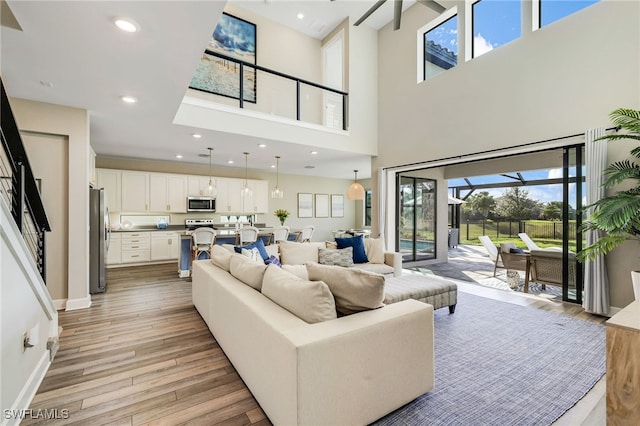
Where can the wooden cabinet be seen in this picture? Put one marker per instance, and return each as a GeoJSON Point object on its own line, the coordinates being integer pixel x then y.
{"type": "Point", "coordinates": [110, 180]}
{"type": "Point", "coordinates": [165, 245]}
{"type": "Point", "coordinates": [136, 247]}
{"type": "Point", "coordinates": [167, 193]}
{"type": "Point", "coordinates": [623, 366]}
{"type": "Point", "coordinates": [135, 192]}
{"type": "Point", "coordinates": [114, 253]}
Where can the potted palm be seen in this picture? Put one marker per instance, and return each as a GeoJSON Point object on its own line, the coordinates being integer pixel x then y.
{"type": "Point", "coordinates": [618, 215]}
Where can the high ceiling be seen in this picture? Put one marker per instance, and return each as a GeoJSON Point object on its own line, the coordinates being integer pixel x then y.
{"type": "Point", "coordinates": [70, 53]}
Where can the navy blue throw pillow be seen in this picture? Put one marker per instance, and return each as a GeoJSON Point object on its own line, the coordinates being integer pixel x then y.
{"type": "Point", "coordinates": [516, 250]}
{"type": "Point", "coordinates": [273, 260]}
{"type": "Point", "coordinates": [359, 254]}
{"type": "Point", "coordinates": [258, 244]}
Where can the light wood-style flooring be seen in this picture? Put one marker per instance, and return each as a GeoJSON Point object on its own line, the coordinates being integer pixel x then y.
{"type": "Point", "coordinates": [141, 355]}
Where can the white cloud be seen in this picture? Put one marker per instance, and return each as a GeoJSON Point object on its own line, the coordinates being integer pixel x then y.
{"type": "Point", "coordinates": [555, 174]}
{"type": "Point", "coordinates": [481, 45]}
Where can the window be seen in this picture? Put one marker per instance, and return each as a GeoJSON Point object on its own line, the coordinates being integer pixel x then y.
{"type": "Point", "coordinates": [552, 10]}
{"type": "Point", "coordinates": [495, 22]}
{"type": "Point", "coordinates": [367, 208]}
{"type": "Point", "coordinates": [440, 47]}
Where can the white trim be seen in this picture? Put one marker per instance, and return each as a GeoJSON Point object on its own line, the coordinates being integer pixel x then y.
{"type": "Point", "coordinates": [188, 100]}
{"type": "Point", "coordinates": [28, 391]}
{"type": "Point", "coordinates": [60, 304]}
{"type": "Point", "coordinates": [75, 304]}
{"type": "Point", "coordinates": [535, 14]}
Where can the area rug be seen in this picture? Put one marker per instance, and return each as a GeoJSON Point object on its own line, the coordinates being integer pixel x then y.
{"type": "Point", "coordinates": [498, 363]}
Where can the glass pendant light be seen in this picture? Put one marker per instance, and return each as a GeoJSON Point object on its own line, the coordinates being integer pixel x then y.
{"type": "Point", "coordinates": [211, 189]}
{"type": "Point", "coordinates": [355, 191]}
{"type": "Point", "coordinates": [277, 192]}
{"type": "Point", "coordinates": [246, 190]}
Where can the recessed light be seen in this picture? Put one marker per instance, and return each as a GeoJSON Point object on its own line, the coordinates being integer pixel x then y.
{"type": "Point", "coordinates": [229, 161]}
{"type": "Point", "coordinates": [196, 135]}
{"type": "Point", "coordinates": [314, 152]}
{"type": "Point", "coordinates": [300, 15]}
{"type": "Point", "coordinates": [273, 166]}
{"type": "Point", "coordinates": [178, 155]}
{"type": "Point", "coordinates": [261, 145]}
{"type": "Point", "coordinates": [129, 99]}
{"type": "Point", "coordinates": [126, 25]}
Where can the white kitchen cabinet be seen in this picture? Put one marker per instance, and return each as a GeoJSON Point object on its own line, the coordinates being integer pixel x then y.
{"type": "Point", "coordinates": [229, 199]}
{"type": "Point", "coordinates": [258, 201]}
{"type": "Point", "coordinates": [199, 185]}
{"type": "Point", "coordinates": [114, 253]}
{"type": "Point", "coordinates": [165, 245]}
{"type": "Point", "coordinates": [110, 180]}
{"type": "Point", "coordinates": [167, 193]}
{"type": "Point", "coordinates": [135, 191]}
{"type": "Point", "coordinates": [136, 247]}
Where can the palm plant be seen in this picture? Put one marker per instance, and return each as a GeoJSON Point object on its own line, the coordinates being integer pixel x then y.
{"type": "Point", "coordinates": [618, 215]}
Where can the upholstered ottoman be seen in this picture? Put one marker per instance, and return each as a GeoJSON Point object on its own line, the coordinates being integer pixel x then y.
{"type": "Point", "coordinates": [431, 289]}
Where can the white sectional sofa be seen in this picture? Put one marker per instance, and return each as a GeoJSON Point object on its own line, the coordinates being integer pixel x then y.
{"type": "Point", "coordinates": [349, 370]}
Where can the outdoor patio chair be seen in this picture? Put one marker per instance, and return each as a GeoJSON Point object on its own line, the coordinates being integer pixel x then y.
{"type": "Point", "coordinates": [515, 262]}
{"type": "Point", "coordinates": [546, 267]}
{"type": "Point", "coordinates": [531, 245]}
{"type": "Point", "coordinates": [494, 254]}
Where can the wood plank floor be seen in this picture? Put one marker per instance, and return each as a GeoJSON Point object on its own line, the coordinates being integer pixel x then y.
{"type": "Point", "coordinates": [141, 355]}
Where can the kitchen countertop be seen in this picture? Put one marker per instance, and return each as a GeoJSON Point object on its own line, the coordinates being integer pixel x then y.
{"type": "Point", "coordinates": [181, 228]}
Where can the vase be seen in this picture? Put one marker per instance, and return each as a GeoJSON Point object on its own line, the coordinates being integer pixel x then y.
{"type": "Point", "coordinates": [635, 280]}
{"type": "Point", "coordinates": [282, 221]}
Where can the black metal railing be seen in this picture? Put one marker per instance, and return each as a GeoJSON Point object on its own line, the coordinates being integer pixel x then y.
{"type": "Point", "coordinates": [242, 65]}
{"type": "Point", "coordinates": [18, 186]}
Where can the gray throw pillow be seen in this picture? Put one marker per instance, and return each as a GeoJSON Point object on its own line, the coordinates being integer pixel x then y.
{"type": "Point", "coordinates": [338, 257]}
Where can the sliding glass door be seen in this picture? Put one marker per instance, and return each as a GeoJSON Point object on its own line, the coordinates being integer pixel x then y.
{"type": "Point", "coordinates": [416, 218]}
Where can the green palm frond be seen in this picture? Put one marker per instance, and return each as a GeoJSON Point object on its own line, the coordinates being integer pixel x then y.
{"type": "Point", "coordinates": [603, 246]}
{"type": "Point", "coordinates": [620, 171]}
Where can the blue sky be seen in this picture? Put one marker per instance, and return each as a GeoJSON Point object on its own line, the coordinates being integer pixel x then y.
{"type": "Point", "coordinates": [497, 22]}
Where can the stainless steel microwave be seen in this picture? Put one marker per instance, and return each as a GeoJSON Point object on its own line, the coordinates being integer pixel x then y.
{"type": "Point", "coordinates": [201, 204]}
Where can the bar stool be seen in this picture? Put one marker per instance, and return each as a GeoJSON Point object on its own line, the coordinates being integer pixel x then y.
{"type": "Point", "coordinates": [202, 241]}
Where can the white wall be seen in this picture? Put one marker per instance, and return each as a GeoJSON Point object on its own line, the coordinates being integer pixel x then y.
{"type": "Point", "coordinates": [24, 305]}
{"type": "Point", "coordinates": [38, 117]}
{"type": "Point", "coordinates": [554, 82]}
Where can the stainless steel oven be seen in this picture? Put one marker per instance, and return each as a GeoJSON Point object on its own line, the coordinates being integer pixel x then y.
{"type": "Point", "coordinates": [201, 204]}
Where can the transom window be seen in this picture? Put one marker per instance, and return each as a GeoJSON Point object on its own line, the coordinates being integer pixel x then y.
{"type": "Point", "coordinates": [553, 10]}
{"type": "Point", "coordinates": [495, 22]}
{"type": "Point", "coordinates": [440, 47]}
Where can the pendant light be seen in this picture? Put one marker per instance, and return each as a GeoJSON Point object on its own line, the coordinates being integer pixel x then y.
{"type": "Point", "coordinates": [211, 189]}
{"type": "Point", "coordinates": [246, 190]}
{"type": "Point", "coordinates": [277, 192]}
{"type": "Point", "coordinates": [355, 191]}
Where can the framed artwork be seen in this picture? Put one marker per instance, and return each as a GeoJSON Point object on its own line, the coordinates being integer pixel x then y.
{"type": "Point", "coordinates": [337, 205]}
{"type": "Point", "coordinates": [322, 205]}
{"type": "Point", "coordinates": [235, 38]}
{"type": "Point", "coordinates": [305, 204]}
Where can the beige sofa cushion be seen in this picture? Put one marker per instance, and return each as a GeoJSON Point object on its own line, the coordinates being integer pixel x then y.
{"type": "Point", "coordinates": [354, 290]}
{"type": "Point", "coordinates": [338, 257]}
{"type": "Point", "coordinates": [299, 271]}
{"type": "Point", "coordinates": [292, 253]}
{"type": "Point", "coordinates": [246, 270]}
{"type": "Point", "coordinates": [374, 248]}
{"type": "Point", "coordinates": [273, 250]}
{"type": "Point", "coordinates": [310, 301]}
{"type": "Point", "coordinates": [376, 268]}
{"type": "Point", "coordinates": [221, 257]}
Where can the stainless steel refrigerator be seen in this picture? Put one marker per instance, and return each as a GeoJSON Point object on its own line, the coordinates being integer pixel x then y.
{"type": "Point", "coordinates": [99, 235]}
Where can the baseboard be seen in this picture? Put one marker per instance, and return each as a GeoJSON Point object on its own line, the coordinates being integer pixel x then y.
{"type": "Point", "coordinates": [60, 304]}
{"type": "Point", "coordinates": [613, 310]}
{"type": "Point", "coordinates": [23, 401]}
{"type": "Point", "coordinates": [75, 304]}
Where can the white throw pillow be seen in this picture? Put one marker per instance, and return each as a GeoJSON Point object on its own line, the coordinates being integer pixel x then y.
{"type": "Point", "coordinates": [354, 290]}
{"type": "Point", "coordinates": [310, 301]}
{"type": "Point", "coordinates": [292, 253]}
{"type": "Point", "coordinates": [273, 250]}
{"type": "Point", "coordinates": [247, 270]}
{"type": "Point", "coordinates": [374, 248]}
{"type": "Point", "coordinates": [253, 254]}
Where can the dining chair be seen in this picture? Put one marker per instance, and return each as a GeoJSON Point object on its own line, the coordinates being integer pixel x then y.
{"type": "Point", "coordinates": [281, 233]}
{"type": "Point", "coordinates": [294, 236]}
{"type": "Point", "coordinates": [248, 235]}
{"type": "Point", "coordinates": [306, 233]}
{"type": "Point", "coordinates": [202, 241]}
{"type": "Point", "coordinates": [226, 239]}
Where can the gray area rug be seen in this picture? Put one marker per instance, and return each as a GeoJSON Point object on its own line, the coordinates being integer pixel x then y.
{"type": "Point", "coordinates": [502, 364]}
